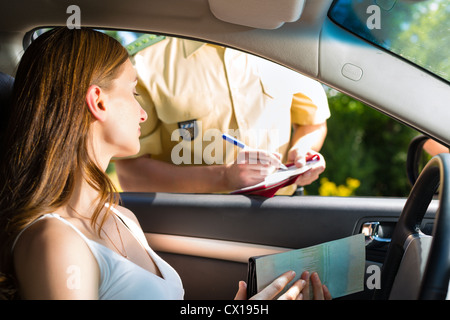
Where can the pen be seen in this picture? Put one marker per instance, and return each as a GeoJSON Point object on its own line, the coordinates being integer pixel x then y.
{"type": "Point", "coordinates": [234, 141]}
{"type": "Point", "coordinates": [242, 145]}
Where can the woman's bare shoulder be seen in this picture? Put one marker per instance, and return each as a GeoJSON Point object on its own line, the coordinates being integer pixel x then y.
{"type": "Point", "coordinates": [45, 253]}
{"type": "Point", "coordinates": [47, 233]}
{"type": "Point", "coordinates": [128, 213]}
{"type": "Point", "coordinates": [50, 239]}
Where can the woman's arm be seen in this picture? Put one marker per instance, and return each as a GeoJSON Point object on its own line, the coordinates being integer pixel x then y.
{"type": "Point", "coordinates": [53, 262]}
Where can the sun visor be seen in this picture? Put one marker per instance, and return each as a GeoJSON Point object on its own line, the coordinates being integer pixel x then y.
{"type": "Point", "coordinates": [261, 14]}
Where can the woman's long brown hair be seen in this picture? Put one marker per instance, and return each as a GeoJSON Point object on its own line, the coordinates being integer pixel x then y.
{"type": "Point", "coordinates": [45, 143]}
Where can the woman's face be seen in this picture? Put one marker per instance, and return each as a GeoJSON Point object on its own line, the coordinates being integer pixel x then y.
{"type": "Point", "coordinates": [122, 125]}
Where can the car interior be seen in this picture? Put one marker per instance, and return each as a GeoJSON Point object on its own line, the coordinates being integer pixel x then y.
{"type": "Point", "coordinates": [208, 238]}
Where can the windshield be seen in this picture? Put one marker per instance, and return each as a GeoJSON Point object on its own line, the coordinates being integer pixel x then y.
{"type": "Point", "coordinates": [418, 31]}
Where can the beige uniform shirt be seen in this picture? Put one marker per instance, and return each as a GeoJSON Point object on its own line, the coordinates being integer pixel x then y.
{"type": "Point", "coordinates": [193, 92]}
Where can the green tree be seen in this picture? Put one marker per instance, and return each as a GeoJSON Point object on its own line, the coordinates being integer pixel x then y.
{"type": "Point", "coordinates": [421, 34]}
{"type": "Point", "coordinates": [366, 145]}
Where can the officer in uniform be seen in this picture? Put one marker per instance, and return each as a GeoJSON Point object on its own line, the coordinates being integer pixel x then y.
{"type": "Point", "coordinates": [193, 92]}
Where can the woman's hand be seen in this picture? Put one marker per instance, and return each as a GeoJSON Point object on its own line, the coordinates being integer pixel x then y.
{"type": "Point", "coordinates": [320, 291]}
{"type": "Point", "coordinates": [298, 291]}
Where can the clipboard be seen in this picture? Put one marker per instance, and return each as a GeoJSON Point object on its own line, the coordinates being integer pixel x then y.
{"type": "Point", "coordinates": [279, 179]}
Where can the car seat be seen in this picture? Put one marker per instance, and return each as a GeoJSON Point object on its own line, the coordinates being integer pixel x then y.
{"type": "Point", "coordinates": [6, 87]}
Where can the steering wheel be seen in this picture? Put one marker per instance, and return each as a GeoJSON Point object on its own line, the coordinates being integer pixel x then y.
{"type": "Point", "coordinates": [434, 281]}
{"type": "Point", "coordinates": [414, 154]}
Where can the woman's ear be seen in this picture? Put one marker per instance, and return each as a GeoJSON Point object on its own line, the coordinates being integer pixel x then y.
{"type": "Point", "coordinates": [94, 100]}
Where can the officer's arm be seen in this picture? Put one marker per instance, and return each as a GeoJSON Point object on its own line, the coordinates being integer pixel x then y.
{"type": "Point", "coordinates": [144, 174]}
{"type": "Point", "coordinates": [307, 139]}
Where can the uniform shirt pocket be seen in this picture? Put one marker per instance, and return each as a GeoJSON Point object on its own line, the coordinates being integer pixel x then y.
{"type": "Point", "coordinates": [182, 108]}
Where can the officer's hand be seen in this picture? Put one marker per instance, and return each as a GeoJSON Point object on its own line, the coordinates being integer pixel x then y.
{"type": "Point", "coordinates": [251, 167]}
{"type": "Point", "coordinates": [298, 157]}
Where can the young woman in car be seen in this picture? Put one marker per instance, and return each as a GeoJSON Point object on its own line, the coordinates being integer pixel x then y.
{"type": "Point", "coordinates": [63, 234]}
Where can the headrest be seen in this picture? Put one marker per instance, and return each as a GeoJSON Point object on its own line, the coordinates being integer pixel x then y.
{"type": "Point", "coordinates": [6, 86]}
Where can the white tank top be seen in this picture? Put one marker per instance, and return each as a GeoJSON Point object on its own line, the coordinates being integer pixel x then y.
{"type": "Point", "coordinates": [121, 279]}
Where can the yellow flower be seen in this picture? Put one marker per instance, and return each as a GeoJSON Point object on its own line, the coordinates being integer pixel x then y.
{"type": "Point", "coordinates": [343, 191]}
{"type": "Point", "coordinates": [329, 188]}
{"type": "Point", "coordinates": [353, 183]}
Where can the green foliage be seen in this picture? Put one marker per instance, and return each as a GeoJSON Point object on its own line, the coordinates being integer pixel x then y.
{"type": "Point", "coordinates": [421, 34]}
{"type": "Point", "coordinates": [366, 145]}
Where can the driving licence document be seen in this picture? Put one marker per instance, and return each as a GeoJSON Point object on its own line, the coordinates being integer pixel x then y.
{"type": "Point", "coordinates": [340, 265]}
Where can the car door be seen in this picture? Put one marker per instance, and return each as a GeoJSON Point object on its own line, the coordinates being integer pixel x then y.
{"type": "Point", "coordinates": [208, 238]}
